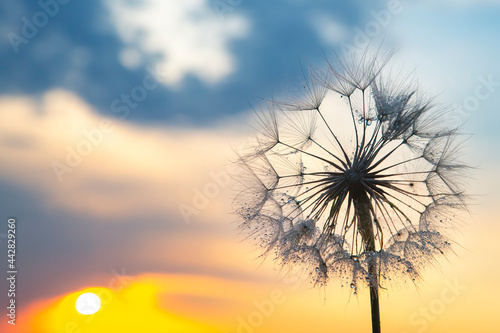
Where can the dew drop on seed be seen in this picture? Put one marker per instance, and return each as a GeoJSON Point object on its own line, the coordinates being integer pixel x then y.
{"type": "Point", "coordinates": [368, 122]}
{"type": "Point", "coordinates": [352, 285]}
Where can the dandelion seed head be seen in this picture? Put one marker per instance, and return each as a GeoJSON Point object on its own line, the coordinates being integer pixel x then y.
{"type": "Point", "coordinates": [360, 188]}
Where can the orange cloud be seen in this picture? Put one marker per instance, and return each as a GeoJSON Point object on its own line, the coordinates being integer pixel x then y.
{"type": "Point", "coordinates": [85, 163]}
{"type": "Point", "coordinates": [189, 303]}
{"type": "Point", "coordinates": [148, 303]}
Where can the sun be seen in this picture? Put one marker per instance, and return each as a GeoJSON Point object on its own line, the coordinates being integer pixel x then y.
{"type": "Point", "coordinates": [88, 303]}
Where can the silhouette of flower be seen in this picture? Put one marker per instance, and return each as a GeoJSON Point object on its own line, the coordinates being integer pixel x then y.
{"type": "Point", "coordinates": [353, 176]}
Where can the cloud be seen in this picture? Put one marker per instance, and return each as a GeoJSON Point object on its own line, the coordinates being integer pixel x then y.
{"type": "Point", "coordinates": [118, 202]}
{"type": "Point", "coordinates": [148, 302]}
{"type": "Point", "coordinates": [187, 36]}
{"type": "Point", "coordinates": [331, 31]}
{"type": "Point", "coordinates": [84, 163]}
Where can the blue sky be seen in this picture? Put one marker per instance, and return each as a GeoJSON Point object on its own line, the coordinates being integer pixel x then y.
{"type": "Point", "coordinates": [82, 40]}
{"type": "Point", "coordinates": [81, 47]}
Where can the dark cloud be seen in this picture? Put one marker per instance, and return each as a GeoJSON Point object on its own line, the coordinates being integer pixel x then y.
{"type": "Point", "coordinates": [63, 251]}
{"type": "Point", "coordinates": [78, 50]}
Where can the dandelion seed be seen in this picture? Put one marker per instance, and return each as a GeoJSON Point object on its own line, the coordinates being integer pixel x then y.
{"type": "Point", "coordinates": [363, 194]}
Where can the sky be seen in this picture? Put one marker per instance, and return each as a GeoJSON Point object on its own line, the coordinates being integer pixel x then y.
{"type": "Point", "coordinates": [117, 115]}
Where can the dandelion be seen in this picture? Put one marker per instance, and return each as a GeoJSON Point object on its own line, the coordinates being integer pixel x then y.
{"type": "Point", "coordinates": [354, 178]}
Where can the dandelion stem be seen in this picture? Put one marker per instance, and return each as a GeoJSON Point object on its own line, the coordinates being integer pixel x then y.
{"type": "Point", "coordinates": [363, 211]}
{"type": "Point", "coordinates": [374, 303]}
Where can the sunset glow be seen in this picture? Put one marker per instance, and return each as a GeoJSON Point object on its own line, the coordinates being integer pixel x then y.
{"type": "Point", "coordinates": [120, 125]}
